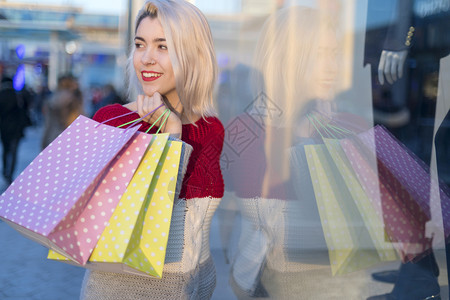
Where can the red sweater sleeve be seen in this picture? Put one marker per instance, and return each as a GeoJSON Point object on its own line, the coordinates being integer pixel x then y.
{"type": "Point", "coordinates": [203, 176]}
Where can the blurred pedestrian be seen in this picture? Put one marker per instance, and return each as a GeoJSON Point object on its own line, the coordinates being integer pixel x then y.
{"type": "Point", "coordinates": [41, 94]}
{"type": "Point", "coordinates": [62, 108]}
{"type": "Point", "coordinates": [14, 119]}
{"type": "Point", "coordinates": [95, 96]}
{"type": "Point", "coordinates": [108, 96]}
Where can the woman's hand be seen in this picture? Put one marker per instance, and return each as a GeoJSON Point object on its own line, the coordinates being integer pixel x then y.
{"type": "Point", "coordinates": [145, 104]}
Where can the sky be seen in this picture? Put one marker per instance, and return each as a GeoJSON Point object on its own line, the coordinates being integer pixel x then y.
{"type": "Point", "coordinates": [119, 6]}
{"type": "Point", "coordinates": [91, 6]}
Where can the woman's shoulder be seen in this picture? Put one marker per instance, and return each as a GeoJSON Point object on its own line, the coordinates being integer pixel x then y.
{"type": "Point", "coordinates": [213, 122]}
{"type": "Point", "coordinates": [206, 125]}
{"type": "Point", "coordinates": [203, 131]}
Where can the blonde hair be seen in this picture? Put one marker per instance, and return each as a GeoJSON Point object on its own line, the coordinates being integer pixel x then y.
{"type": "Point", "coordinates": [283, 59]}
{"type": "Point", "coordinates": [191, 52]}
{"type": "Point", "coordinates": [286, 54]}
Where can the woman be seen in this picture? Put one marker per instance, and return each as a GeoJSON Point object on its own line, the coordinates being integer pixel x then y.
{"type": "Point", "coordinates": [61, 109]}
{"type": "Point", "coordinates": [173, 64]}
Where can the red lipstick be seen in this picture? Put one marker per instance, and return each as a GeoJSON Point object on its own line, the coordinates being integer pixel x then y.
{"type": "Point", "coordinates": [150, 75]}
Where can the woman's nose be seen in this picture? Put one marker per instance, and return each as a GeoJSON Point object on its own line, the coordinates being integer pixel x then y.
{"type": "Point", "coordinates": [148, 57]}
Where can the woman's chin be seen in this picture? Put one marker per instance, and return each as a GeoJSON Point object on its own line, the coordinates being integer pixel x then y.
{"type": "Point", "coordinates": [149, 93]}
{"type": "Point", "coordinates": [326, 94]}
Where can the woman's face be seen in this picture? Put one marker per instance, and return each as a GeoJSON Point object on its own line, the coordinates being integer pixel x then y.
{"type": "Point", "coordinates": [152, 62]}
{"type": "Point", "coordinates": [325, 66]}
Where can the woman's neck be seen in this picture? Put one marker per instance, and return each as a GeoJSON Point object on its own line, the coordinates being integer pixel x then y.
{"type": "Point", "coordinates": [174, 103]}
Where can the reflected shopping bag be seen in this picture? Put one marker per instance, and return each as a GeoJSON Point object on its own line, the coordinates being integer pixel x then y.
{"type": "Point", "coordinates": [367, 207]}
{"type": "Point", "coordinates": [401, 183]}
{"type": "Point", "coordinates": [352, 244]}
{"type": "Point", "coordinates": [136, 237]}
{"type": "Point", "coordinates": [49, 200]}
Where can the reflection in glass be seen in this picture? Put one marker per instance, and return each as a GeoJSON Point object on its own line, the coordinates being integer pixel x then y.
{"type": "Point", "coordinates": [320, 196]}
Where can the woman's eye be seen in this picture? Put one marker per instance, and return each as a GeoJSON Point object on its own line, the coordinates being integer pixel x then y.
{"type": "Point", "coordinates": [138, 45]}
{"type": "Point", "coordinates": [163, 47]}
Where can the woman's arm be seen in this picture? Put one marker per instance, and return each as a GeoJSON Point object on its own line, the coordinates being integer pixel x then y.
{"type": "Point", "coordinates": [204, 177]}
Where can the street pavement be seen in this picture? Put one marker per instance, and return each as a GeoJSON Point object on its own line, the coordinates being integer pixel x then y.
{"type": "Point", "coordinates": [26, 274]}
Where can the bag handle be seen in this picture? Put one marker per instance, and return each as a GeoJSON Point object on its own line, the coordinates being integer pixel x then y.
{"type": "Point", "coordinates": [166, 111]}
{"type": "Point", "coordinates": [134, 122]}
{"type": "Point", "coordinates": [316, 122]}
{"type": "Point", "coordinates": [330, 128]}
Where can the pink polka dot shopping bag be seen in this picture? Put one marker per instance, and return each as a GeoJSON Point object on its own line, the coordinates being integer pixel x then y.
{"type": "Point", "coordinates": [403, 190]}
{"type": "Point", "coordinates": [65, 197]}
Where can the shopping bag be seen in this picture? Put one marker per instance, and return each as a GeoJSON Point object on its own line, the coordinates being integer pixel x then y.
{"type": "Point", "coordinates": [49, 200]}
{"type": "Point", "coordinates": [353, 229]}
{"type": "Point", "coordinates": [371, 216]}
{"type": "Point", "coordinates": [402, 185]}
{"type": "Point", "coordinates": [136, 237]}
{"type": "Point", "coordinates": [93, 219]}
{"type": "Point", "coordinates": [147, 249]}
{"type": "Point", "coordinates": [350, 245]}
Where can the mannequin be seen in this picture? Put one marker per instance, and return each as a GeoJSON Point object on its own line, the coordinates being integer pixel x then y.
{"type": "Point", "coordinates": [391, 65]}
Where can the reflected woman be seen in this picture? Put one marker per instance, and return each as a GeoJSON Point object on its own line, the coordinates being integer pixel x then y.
{"type": "Point", "coordinates": [281, 252]}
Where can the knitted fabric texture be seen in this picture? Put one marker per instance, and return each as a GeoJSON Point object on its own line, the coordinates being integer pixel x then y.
{"type": "Point", "coordinates": [246, 162]}
{"type": "Point", "coordinates": [203, 176]}
{"type": "Point", "coordinates": [188, 272]}
{"type": "Point", "coordinates": [281, 244]}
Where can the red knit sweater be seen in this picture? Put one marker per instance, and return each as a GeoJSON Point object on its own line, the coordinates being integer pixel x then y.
{"type": "Point", "coordinates": [203, 175]}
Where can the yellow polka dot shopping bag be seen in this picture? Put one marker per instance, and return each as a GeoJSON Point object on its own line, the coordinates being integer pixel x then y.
{"type": "Point", "coordinates": [136, 237]}
{"type": "Point", "coordinates": [348, 240]}
{"type": "Point", "coordinates": [65, 197]}
{"type": "Point", "coordinates": [353, 228]}
{"type": "Point", "coordinates": [375, 197]}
